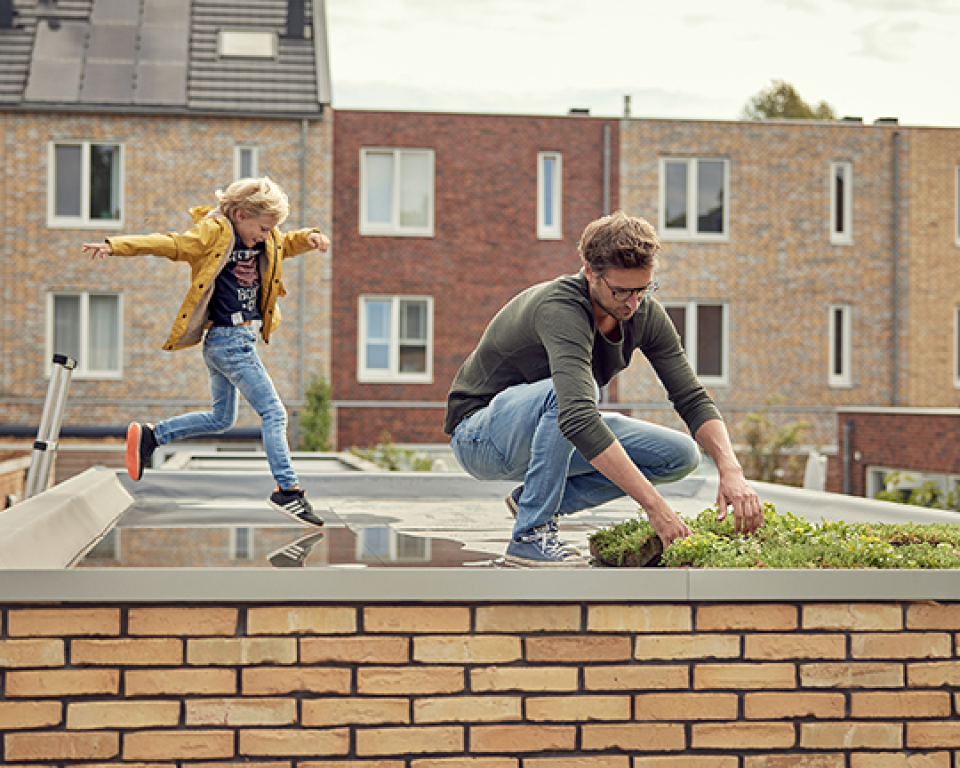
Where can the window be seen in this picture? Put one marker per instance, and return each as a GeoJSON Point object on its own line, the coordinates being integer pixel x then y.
{"type": "Point", "coordinates": [86, 327]}
{"type": "Point", "coordinates": [256, 43]}
{"type": "Point", "coordinates": [245, 162]}
{"type": "Point", "coordinates": [380, 543]}
{"type": "Point", "coordinates": [840, 346]}
{"type": "Point", "coordinates": [396, 339]}
{"type": "Point", "coordinates": [396, 192]}
{"type": "Point", "coordinates": [693, 199]}
{"type": "Point", "coordinates": [703, 332]}
{"type": "Point", "coordinates": [841, 203]}
{"type": "Point", "coordinates": [85, 188]}
{"type": "Point", "coordinates": [549, 196]}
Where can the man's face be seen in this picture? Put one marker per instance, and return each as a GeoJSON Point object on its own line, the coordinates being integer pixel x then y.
{"type": "Point", "coordinates": [605, 288]}
{"type": "Point", "coordinates": [253, 229]}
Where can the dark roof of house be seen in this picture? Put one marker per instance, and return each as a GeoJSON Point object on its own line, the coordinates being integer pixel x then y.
{"type": "Point", "coordinates": [165, 55]}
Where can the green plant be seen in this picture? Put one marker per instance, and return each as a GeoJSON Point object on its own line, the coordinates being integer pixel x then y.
{"type": "Point", "coordinates": [387, 455]}
{"type": "Point", "coordinates": [929, 494]}
{"type": "Point", "coordinates": [767, 443]}
{"type": "Point", "coordinates": [315, 418]}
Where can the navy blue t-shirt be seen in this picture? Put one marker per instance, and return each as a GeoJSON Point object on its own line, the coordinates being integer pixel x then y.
{"type": "Point", "coordinates": [236, 294]}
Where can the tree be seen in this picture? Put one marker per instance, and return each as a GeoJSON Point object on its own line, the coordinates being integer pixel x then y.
{"type": "Point", "coordinates": [780, 101]}
{"type": "Point", "coordinates": [768, 444]}
{"type": "Point", "coordinates": [315, 418]}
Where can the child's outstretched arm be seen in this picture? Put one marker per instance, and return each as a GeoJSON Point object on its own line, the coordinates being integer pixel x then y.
{"type": "Point", "coordinates": [318, 241]}
{"type": "Point", "coordinates": [98, 249]}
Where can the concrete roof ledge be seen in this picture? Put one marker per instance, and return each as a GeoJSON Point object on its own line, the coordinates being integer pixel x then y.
{"type": "Point", "coordinates": [55, 528]}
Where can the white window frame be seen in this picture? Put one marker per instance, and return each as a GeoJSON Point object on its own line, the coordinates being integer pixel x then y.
{"type": "Point", "coordinates": [843, 379]}
{"type": "Point", "coordinates": [691, 341]}
{"type": "Point", "coordinates": [841, 236]}
{"type": "Point", "coordinates": [393, 374]}
{"type": "Point", "coordinates": [690, 232]}
{"type": "Point", "coordinates": [82, 371]}
{"type": "Point", "coordinates": [83, 221]}
{"type": "Point", "coordinates": [247, 43]}
{"type": "Point", "coordinates": [554, 206]}
{"type": "Point", "coordinates": [393, 228]}
{"type": "Point", "coordinates": [238, 161]}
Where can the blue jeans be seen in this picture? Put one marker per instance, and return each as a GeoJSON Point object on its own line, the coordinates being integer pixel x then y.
{"type": "Point", "coordinates": [516, 437]}
{"type": "Point", "coordinates": [234, 366]}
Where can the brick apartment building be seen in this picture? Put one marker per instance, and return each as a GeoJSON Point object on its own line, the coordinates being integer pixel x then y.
{"type": "Point", "coordinates": [118, 117]}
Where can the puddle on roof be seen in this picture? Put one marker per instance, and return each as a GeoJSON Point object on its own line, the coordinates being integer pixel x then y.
{"type": "Point", "coordinates": [373, 546]}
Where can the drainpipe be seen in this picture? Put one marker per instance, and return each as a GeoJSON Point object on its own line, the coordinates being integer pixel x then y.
{"type": "Point", "coordinates": [895, 341]}
{"type": "Point", "coordinates": [847, 440]}
{"type": "Point", "coordinates": [606, 169]}
{"type": "Point", "coordinates": [302, 278]}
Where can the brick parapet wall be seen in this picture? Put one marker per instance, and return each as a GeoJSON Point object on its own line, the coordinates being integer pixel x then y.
{"type": "Point", "coordinates": [625, 685]}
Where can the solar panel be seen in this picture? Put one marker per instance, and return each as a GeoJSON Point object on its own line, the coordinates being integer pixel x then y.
{"type": "Point", "coordinates": [115, 12]}
{"type": "Point", "coordinates": [164, 43]}
{"type": "Point", "coordinates": [113, 42]}
{"type": "Point", "coordinates": [65, 41]}
{"type": "Point", "coordinates": [164, 84]}
{"type": "Point", "coordinates": [166, 11]}
{"type": "Point", "coordinates": [57, 60]}
{"type": "Point", "coordinates": [107, 82]}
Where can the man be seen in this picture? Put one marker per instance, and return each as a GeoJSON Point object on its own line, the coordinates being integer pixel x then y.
{"type": "Point", "coordinates": [524, 404]}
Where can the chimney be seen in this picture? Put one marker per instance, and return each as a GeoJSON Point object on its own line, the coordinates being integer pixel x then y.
{"type": "Point", "coordinates": [6, 14]}
{"type": "Point", "coordinates": [296, 19]}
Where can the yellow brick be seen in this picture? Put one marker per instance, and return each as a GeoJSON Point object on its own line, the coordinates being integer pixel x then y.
{"type": "Point", "coordinates": [285, 742]}
{"type": "Point", "coordinates": [739, 736]}
{"type": "Point", "coordinates": [516, 739]}
{"type": "Point", "coordinates": [639, 618]}
{"type": "Point", "coordinates": [744, 676]}
{"type": "Point", "coordinates": [933, 616]}
{"type": "Point", "coordinates": [636, 678]}
{"type": "Point", "coordinates": [240, 712]}
{"type": "Point", "coordinates": [98, 715]}
{"type": "Point", "coordinates": [645, 737]}
{"type": "Point", "coordinates": [855, 675]}
{"type": "Point", "coordinates": [482, 649]}
{"type": "Point", "coordinates": [687, 647]}
{"type": "Point", "coordinates": [467, 709]}
{"type": "Point", "coordinates": [456, 762]}
{"type": "Point", "coordinates": [61, 745]}
{"type": "Point", "coordinates": [808, 760]}
{"type": "Point", "coordinates": [271, 681]}
{"type": "Point", "coordinates": [359, 650]}
{"type": "Point", "coordinates": [901, 645]}
{"type": "Point", "coordinates": [62, 682]}
{"type": "Point", "coordinates": [605, 761]}
{"type": "Point", "coordinates": [684, 761]}
{"type": "Point", "coordinates": [934, 734]}
{"type": "Point", "coordinates": [795, 646]}
{"type": "Point", "coordinates": [900, 704]}
{"type": "Point", "coordinates": [753, 616]}
{"type": "Point", "coordinates": [409, 681]}
{"type": "Point", "coordinates": [533, 679]}
{"type": "Point", "coordinates": [29, 714]}
{"type": "Point", "coordinates": [578, 648]}
{"type": "Point", "coordinates": [846, 735]}
{"type": "Point", "coordinates": [409, 740]}
{"type": "Point", "coordinates": [323, 713]}
{"type": "Point", "coordinates": [933, 674]}
{"type": "Point", "coordinates": [31, 653]}
{"type": "Point", "coordinates": [528, 618]}
{"type": "Point", "coordinates": [416, 619]}
{"type": "Point", "coordinates": [63, 622]}
{"type": "Point", "coordinates": [195, 622]}
{"type": "Point", "coordinates": [853, 616]}
{"type": "Point", "coordinates": [686, 706]}
{"type": "Point", "coordinates": [242, 651]}
{"type": "Point", "coordinates": [151, 651]}
{"type": "Point", "coordinates": [900, 760]}
{"type": "Point", "coordinates": [326, 764]}
{"type": "Point", "coordinates": [299, 620]}
{"type": "Point", "coordinates": [186, 745]}
{"type": "Point", "coordinates": [577, 708]}
{"type": "Point", "coordinates": [770, 705]}
{"type": "Point", "coordinates": [174, 682]}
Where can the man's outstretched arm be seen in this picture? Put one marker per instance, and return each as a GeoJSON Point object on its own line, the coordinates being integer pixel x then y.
{"type": "Point", "coordinates": [733, 489]}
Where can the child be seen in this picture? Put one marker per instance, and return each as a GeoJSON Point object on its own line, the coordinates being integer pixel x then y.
{"type": "Point", "coordinates": [235, 252]}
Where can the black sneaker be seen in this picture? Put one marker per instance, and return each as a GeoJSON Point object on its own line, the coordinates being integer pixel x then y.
{"type": "Point", "coordinates": [141, 444]}
{"type": "Point", "coordinates": [294, 554]}
{"type": "Point", "coordinates": [294, 505]}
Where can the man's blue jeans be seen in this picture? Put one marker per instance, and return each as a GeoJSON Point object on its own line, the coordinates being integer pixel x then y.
{"type": "Point", "coordinates": [516, 437]}
{"type": "Point", "coordinates": [235, 367]}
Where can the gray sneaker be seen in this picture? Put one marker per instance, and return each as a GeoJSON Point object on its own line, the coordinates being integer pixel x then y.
{"type": "Point", "coordinates": [541, 547]}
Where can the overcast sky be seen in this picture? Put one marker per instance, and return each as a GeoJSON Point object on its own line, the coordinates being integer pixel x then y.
{"type": "Point", "coordinates": [675, 58]}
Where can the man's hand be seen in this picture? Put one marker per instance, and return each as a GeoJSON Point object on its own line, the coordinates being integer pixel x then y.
{"type": "Point", "coordinates": [98, 249]}
{"type": "Point", "coordinates": [318, 241]}
{"type": "Point", "coordinates": [666, 523]}
{"type": "Point", "coordinates": [736, 492]}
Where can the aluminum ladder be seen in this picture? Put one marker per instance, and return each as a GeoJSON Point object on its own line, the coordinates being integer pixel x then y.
{"type": "Point", "coordinates": [45, 446]}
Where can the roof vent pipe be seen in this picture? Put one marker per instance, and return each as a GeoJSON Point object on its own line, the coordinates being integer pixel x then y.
{"type": "Point", "coordinates": [296, 19]}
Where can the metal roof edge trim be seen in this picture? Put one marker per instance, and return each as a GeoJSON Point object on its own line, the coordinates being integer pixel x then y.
{"type": "Point", "coordinates": [347, 585]}
{"type": "Point", "coordinates": [135, 111]}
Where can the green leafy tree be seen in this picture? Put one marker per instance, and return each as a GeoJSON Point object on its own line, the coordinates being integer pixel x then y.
{"type": "Point", "coordinates": [781, 101]}
{"type": "Point", "coordinates": [315, 418]}
{"type": "Point", "coordinates": [767, 443]}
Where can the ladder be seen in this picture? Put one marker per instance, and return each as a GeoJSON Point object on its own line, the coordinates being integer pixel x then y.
{"type": "Point", "coordinates": [44, 447]}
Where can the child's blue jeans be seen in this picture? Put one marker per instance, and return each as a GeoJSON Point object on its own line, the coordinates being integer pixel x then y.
{"type": "Point", "coordinates": [234, 365]}
{"type": "Point", "coordinates": [516, 437]}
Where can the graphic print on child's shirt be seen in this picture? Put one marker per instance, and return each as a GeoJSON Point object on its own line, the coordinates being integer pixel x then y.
{"type": "Point", "coordinates": [236, 295]}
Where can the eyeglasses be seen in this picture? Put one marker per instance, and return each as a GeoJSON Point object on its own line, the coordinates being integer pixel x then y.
{"type": "Point", "coordinates": [625, 293]}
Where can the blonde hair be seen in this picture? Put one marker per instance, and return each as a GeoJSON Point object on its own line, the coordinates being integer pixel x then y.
{"type": "Point", "coordinates": [255, 198]}
{"type": "Point", "coordinates": [619, 241]}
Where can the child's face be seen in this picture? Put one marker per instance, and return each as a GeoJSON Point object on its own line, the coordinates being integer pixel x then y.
{"type": "Point", "coordinates": [253, 229]}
